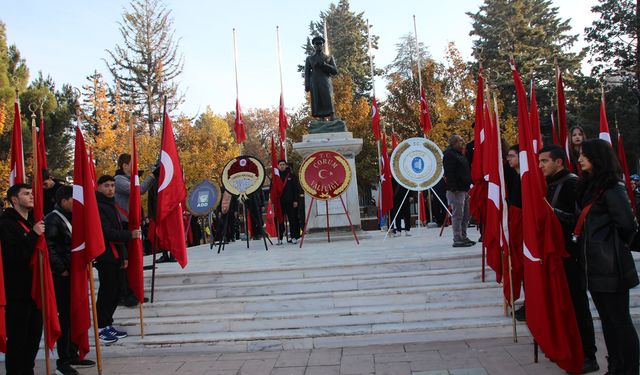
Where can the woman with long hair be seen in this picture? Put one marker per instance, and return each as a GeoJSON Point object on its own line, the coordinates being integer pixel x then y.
{"type": "Point", "coordinates": [576, 137]}
{"type": "Point", "coordinates": [605, 227]}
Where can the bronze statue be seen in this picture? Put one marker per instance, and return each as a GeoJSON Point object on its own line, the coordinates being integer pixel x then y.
{"type": "Point", "coordinates": [317, 79]}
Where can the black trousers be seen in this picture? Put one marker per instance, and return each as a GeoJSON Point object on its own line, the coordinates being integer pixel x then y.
{"type": "Point", "coordinates": [294, 221]}
{"type": "Point", "coordinates": [24, 330]}
{"type": "Point", "coordinates": [581, 307]}
{"type": "Point", "coordinates": [67, 350]}
{"type": "Point", "coordinates": [110, 277]}
{"type": "Point", "coordinates": [619, 333]}
{"type": "Point", "coordinates": [404, 214]}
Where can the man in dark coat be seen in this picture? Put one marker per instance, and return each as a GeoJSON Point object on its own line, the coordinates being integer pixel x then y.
{"type": "Point", "coordinates": [289, 202]}
{"type": "Point", "coordinates": [58, 234]}
{"type": "Point", "coordinates": [318, 70]}
{"type": "Point", "coordinates": [457, 174]}
{"type": "Point", "coordinates": [111, 260]}
{"type": "Point", "coordinates": [18, 236]}
{"type": "Point", "coordinates": [561, 194]}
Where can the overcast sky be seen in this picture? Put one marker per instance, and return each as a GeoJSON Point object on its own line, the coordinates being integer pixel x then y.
{"type": "Point", "coordinates": [67, 39]}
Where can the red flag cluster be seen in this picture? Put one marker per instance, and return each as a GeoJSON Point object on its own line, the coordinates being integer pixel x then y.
{"type": "Point", "coordinates": [375, 119]}
{"type": "Point", "coordinates": [549, 310]}
{"type": "Point", "coordinates": [386, 187]}
{"type": "Point", "coordinates": [134, 247]}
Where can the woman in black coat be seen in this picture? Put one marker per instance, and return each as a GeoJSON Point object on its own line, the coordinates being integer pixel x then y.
{"type": "Point", "coordinates": [609, 268]}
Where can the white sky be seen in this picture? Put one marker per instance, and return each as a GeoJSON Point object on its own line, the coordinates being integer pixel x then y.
{"type": "Point", "coordinates": [67, 39]}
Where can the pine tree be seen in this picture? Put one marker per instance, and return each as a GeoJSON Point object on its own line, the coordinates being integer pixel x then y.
{"type": "Point", "coordinates": [148, 63]}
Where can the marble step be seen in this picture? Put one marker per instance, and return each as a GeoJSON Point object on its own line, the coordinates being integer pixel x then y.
{"type": "Point", "coordinates": [166, 276]}
{"type": "Point", "coordinates": [317, 300]}
{"type": "Point", "coordinates": [316, 284]}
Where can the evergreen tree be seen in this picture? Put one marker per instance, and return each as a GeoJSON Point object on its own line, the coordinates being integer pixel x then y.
{"type": "Point", "coordinates": [148, 63]}
{"type": "Point", "coordinates": [530, 32]}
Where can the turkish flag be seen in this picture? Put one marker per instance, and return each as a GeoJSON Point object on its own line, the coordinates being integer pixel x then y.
{"type": "Point", "coordinates": [385, 179]}
{"type": "Point", "coordinates": [134, 247]}
{"type": "Point", "coordinates": [478, 191]}
{"type": "Point", "coordinates": [3, 304]}
{"type": "Point", "coordinates": [604, 124]}
{"type": "Point", "coordinates": [534, 119]}
{"type": "Point", "coordinates": [276, 185]}
{"type": "Point", "coordinates": [92, 167]}
{"type": "Point", "coordinates": [622, 157]}
{"type": "Point", "coordinates": [17, 156]}
{"type": "Point", "coordinates": [550, 314]}
{"type": "Point", "coordinates": [42, 150]}
{"type": "Point", "coordinates": [238, 127]}
{"type": "Point", "coordinates": [425, 117]}
{"type": "Point", "coordinates": [283, 123]}
{"type": "Point", "coordinates": [562, 110]}
{"type": "Point", "coordinates": [42, 281]}
{"type": "Point", "coordinates": [271, 224]}
{"type": "Point", "coordinates": [282, 151]}
{"type": "Point", "coordinates": [171, 192]}
{"type": "Point", "coordinates": [492, 236]}
{"type": "Point", "coordinates": [423, 208]}
{"type": "Point", "coordinates": [554, 131]}
{"type": "Point", "coordinates": [394, 141]}
{"type": "Point", "coordinates": [375, 119]}
{"type": "Point", "coordinates": [87, 242]}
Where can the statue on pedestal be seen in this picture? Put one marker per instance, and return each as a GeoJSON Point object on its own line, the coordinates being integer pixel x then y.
{"type": "Point", "coordinates": [317, 79]}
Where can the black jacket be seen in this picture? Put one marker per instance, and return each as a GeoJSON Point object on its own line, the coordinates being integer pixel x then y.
{"type": "Point", "coordinates": [605, 257]}
{"type": "Point", "coordinates": [456, 170]}
{"type": "Point", "coordinates": [58, 240]}
{"type": "Point", "coordinates": [115, 236]}
{"type": "Point", "coordinates": [18, 245]}
{"type": "Point", "coordinates": [564, 205]}
{"type": "Point", "coordinates": [291, 189]}
{"type": "Point", "coordinates": [514, 186]}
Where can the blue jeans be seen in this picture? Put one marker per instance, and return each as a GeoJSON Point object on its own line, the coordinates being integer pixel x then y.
{"type": "Point", "coordinates": [459, 203]}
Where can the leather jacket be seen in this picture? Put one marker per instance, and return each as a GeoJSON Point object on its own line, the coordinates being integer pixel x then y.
{"type": "Point", "coordinates": [608, 228]}
{"type": "Point", "coordinates": [58, 240]}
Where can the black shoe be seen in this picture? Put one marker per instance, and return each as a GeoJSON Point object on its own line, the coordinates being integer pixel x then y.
{"type": "Point", "coordinates": [520, 314]}
{"type": "Point", "coordinates": [82, 363]}
{"type": "Point", "coordinates": [469, 241]}
{"type": "Point", "coordinates": [162, 259]}
{"type": "Point", "coordinates": [66, 369]}
{"type": "Point", "coordinates": [463, 243]}
{"type": "Point", "coordinates": [129, 301]}
{"type": "Point", "coordinates": [590, 365]}
{"type": "Point", "coordinates": [146, 299]}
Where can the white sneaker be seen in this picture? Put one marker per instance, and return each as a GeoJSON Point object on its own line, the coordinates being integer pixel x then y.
{"type": "Point", "coordinates": [294, 241]}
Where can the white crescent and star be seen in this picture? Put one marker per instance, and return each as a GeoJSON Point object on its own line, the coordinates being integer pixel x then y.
{"type": "Point", "coordinates": [320, 173]}
{"type": "Point", "coordinates": [167, 163]}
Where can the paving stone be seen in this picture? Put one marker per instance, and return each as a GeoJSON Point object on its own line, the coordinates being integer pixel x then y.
{"type": "Point", "coordinates": [374, 349]}
{"type": "Point", "coordinates": [356, 364]}
{"type": "Point", "coordinates": [436, 372]}
{"type": "Point", "coordinates": [431, 355]}
{"type": "Point", "coordinates": [323, 370]}
{"type": "Point", "coordinates": [213, 365]}
{"type": "Point", "coordinates": [393, 368]}
{"type": "Point", "coordinates": [293, 358]}
{"type": "Point", "coordinates": [468, 371]}
{"type": "Point", "coordinates": [325, 356]}
{"type": "Point", "coordinates": [257, 367]}
{"type": "Point", "coordinates": [249, 355]}
{"type": "Point", "coordinates": [288, 371]}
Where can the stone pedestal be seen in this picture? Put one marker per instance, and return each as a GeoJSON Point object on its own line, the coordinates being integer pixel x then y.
{"type": "Point", "coordinates": [349, 147]}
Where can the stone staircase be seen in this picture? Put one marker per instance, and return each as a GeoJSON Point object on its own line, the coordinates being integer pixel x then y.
{"type": "Point", "coordinates": [408, 289]}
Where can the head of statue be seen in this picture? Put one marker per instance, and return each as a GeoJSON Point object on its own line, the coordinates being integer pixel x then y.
{"type": "Point", "coordinates": [318, 43]}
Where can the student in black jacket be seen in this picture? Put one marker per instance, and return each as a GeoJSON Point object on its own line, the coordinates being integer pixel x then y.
{"type": "Point", "coordinates": [18, 236]}
{"type": "Point", "coordinates": [457, 174]}
{"type": "Point", "coordinates": [289, 201]}
{"type": "Point", "coordinates": [561, 195]}
{"type": "Point", "coordinates": [111, 260]}
{"type": "Point", "coordinates": [58, 234]}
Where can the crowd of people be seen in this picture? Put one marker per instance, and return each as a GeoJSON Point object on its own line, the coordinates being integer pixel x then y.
{"type": "Point", "coordinates": [592, 202]}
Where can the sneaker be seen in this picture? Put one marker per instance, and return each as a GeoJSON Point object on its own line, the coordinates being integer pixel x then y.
{"type": "Point", "coordinates": [66, 369]}
{"type": "Point", "coordinates": [590, 365]}
{"type": "Point", "coordinates": [117, 333]}
{"type": "Point", "coordinates": [279, 242]}
{"type": "Point", "coordinates": [520, 314]}
{"type": "Point", "coordinates": [82, 363]}
{"type": "Point", "coordinates": [469, 241]}
{"type": "Point", "coordinates": [462, 244]}
{"type": "Point", "coordinates": [106, 337]}
{"type": "Point", "coordinates": [294, 241]}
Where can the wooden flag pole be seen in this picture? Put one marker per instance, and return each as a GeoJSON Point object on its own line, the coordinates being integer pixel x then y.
{"type": "Point", "coordinates": [132, 134]}
{"type": "Point", "coordinates": [235, 66]}
{"type": "Point", "coordinates": [35, 187]}
{"type": "Point", "coordinates": [94, 315]}
{"type": "Point", "coordinates": [284, 142]}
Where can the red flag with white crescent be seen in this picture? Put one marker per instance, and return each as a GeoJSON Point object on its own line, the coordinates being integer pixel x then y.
{"type": "Point", "coordinates": [385, 178]}
{"type": "Point", "coordinates": [239, 127]}
{"type": "Point", "coordinates": [16, 175]}
{"type": "Point", "coordinates": [605, 135]}
{"type": "Point", "coordinates": [171, 193]}
{"type": "Point", "coordinates": [87, 242]}
{"type": "Point", "coordinates": [283, 123]}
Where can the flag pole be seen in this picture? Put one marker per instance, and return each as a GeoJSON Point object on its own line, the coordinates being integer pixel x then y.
{"type": "Point", "coordinates": [24, 171]}
{"type": "Point", "coordinates": [132, 134]}
{"type": "Point", "coordinates": [35, 187]}
{"type": "Point", "coordinates": [326, 39]}
{"type": "Point", "coordinates": [284, 142]}
{"type": "Point", "coordinates": [155, 238]}
{"type": "Point", "coordinates": [373, 89]}
{"type": "Point", "coordinates": [94, 315]}
{"type": "Point", "coordinates": [415, 33]}
{"type": "Point", "coordinates": [235, 66]}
